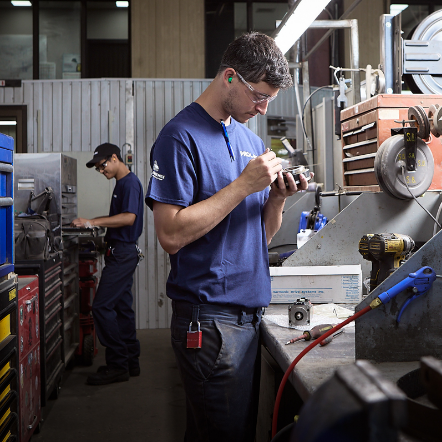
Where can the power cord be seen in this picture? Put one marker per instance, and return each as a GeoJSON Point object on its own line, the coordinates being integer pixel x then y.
{"type": "Point", "coordinates": [411, 193]}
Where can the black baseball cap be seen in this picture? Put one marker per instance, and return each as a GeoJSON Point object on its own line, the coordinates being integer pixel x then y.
{"type": "Point", "coordinates": [102, 152]}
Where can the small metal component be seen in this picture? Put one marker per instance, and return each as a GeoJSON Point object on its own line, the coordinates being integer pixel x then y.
{"type": "Point", "coordinates": [432, 118]}
{"type": "Point", "coordinates": [296, 171]}
{"type": "Point", "coordinates": [417, 113]}
{"type": "Point", "coordinates": [437, 121]}
{"type": "Point", "coordinates": [300, 312]}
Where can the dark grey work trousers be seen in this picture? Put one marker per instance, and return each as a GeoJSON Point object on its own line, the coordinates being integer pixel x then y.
{"type": "Point", "coordinates": [221, 379]}
{"type": "Point", "coordinates": [114, 317]}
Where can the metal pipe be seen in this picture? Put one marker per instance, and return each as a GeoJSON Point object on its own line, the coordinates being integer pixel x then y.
{"type": "Point", "coordinates": [354, 57]}
{"type": "Point", "coordinates": [327, 34]}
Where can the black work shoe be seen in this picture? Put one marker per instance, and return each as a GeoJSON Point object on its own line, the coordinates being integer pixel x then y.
{"type": "Point", "coordinates": [133, 371]}
{"type": "Point", "coordinates": [108, 376]}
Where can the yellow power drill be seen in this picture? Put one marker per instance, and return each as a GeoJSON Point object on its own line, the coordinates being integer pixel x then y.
{"type": "Point", "coordinates": [386, 251]}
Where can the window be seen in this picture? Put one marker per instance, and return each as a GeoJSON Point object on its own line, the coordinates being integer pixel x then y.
{"type": "Point", "coordinates": [49, 39]}
{"type": "Point", "coordinates": [15, 42]}
{"type": "Point", "coordinates": [60, 40]}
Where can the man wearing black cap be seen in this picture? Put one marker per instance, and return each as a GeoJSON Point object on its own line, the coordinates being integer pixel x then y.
{"type": "Point", "coordinates": [112, 310]}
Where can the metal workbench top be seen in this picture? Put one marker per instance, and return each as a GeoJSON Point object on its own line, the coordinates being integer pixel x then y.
{"type": "Point", "coordinates": [319, 364]}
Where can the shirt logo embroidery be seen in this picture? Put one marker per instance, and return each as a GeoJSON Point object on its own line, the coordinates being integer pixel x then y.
{"type": "Point", "coordinates": [247, 154]}
{"type": "Point", "coordinates": [155, 170]}
{"type": "Point", "coordinates": [115, 196]}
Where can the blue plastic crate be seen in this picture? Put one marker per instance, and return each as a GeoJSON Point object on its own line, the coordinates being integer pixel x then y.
{"type": "Point", "coordinates": [6, 205]}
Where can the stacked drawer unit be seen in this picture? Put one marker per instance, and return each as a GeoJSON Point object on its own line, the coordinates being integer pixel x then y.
{"type": "Point", "coordinates": [35, 172]}
{"type": "Point", "coordinates": [50, 286]}
{"type": "Point", "coordinates": [88, 287]}
{"type": "Point", "coordinates": [29, 356]}
{"type": "Point", "coordinates": [70, 302]}
{"type": "Point", "coordinates": [9, 396]}
{"type": "Point", "coordinates": [366, 125]}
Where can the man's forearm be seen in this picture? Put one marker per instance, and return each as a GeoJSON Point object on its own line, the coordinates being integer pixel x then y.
{"type": "Point", "coordinates": [193, 222]}
{"type": "Point", "coordinates": [120, 220]}
{"type": "Point", "coordinates": [272, 215]}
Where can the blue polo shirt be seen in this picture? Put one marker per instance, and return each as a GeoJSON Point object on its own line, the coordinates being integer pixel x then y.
{"type": "Point", "coordinates": [191, 162]}
{"type": "Point", "coordinates": [127, 197]}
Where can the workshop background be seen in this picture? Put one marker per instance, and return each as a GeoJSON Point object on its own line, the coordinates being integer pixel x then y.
{"type": "Point", "coordinates": [75, 74]}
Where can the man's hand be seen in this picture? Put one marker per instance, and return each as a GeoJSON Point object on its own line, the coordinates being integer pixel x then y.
{"type": "Point", "coordinates": [261, 171]}
{"type": "Point", "coordinates": [279, 189]}
{"type": "Point", "coordinates": [81, 222]}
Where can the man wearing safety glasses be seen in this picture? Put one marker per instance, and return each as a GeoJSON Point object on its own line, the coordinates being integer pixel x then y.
{"type": "Point", "coordinates": [217, 196]}
{"type": "Point", "coordinates": [114, 317]}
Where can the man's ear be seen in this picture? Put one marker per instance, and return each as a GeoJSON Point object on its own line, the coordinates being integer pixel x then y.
{"type": "Point", "coordinates": [228, 74]}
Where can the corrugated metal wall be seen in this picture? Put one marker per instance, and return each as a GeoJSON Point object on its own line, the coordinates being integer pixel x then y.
{"type": "Point", "coordinates": [78, 115]}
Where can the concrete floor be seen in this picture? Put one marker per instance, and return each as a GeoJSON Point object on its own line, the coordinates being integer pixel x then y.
{"type": "Point", "coordinates": [150, 407]}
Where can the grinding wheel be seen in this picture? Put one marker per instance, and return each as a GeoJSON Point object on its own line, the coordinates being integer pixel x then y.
{"type": "Point", "coordinates": [388, 168]}
{"type": "Point", "coordinates": [377, 166]}
{"type": "Point", "coordinates": [417, 113]}
{"type": "Point", "coordinates": [432, 118]}
{"type": "Point", "coordinates": [437, 121]}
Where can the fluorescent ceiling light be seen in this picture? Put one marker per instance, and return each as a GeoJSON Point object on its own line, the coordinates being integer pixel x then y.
{"type": "Point", "coordinates": [21, 3]}
{"type": "Point", "coordinates": [122, 4]}
{"type": "Point", "coordinates": [397, 9]}
{"type": "Point", "coordinates": [302, 14]}
{"type": "Point", "coordinates": [8, 123]}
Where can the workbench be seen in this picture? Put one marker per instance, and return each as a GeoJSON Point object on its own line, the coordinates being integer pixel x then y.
{"type": "Point", "coordinates": [320, 363]}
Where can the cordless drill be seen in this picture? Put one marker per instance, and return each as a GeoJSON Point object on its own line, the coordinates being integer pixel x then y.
{"type": "Point", "coordinates": [386, 251]}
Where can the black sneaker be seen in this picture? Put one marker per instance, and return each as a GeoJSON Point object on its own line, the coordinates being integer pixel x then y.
{"type": "Point", "coordinates": [133, 371]}
{"type": "Point", "coordinates": [108, 376]}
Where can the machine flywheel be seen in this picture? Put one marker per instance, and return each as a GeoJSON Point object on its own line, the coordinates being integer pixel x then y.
{"type": "Point", "coordinates": [388, 163]}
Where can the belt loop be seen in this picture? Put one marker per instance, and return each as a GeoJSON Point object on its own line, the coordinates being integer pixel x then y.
{"type": "Point", "coordinates": [195, 313]}
{"type": "Point", "coordinates": [242, 317]}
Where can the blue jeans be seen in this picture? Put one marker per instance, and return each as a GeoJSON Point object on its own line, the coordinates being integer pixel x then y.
{"type": "Point", "coordinates": [221, 379]}
{"type": "Point", "coordinates": [114, 317]}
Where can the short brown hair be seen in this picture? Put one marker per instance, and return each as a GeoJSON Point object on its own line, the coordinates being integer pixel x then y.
{"type": "Point", "coordinates": [257, 58]}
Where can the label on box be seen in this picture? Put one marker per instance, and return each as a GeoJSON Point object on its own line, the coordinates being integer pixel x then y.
{"type": "Point", "coordinates": [319, 284]}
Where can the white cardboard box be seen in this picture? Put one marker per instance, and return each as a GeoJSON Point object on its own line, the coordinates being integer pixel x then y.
{"type": "Point", "coordinates": [319, 284]}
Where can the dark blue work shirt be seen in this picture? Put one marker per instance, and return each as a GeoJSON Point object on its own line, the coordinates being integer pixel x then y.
{"type": "Point", "coordinates": [190, 163]}
{"type": "Point", "coordinates": [127, 196]}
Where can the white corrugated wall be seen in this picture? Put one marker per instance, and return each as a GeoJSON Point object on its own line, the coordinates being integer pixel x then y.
{"type": "Point", "coordinates": [78, 115]}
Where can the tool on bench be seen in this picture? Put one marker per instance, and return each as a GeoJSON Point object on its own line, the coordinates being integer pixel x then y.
{"type": "Point", "coordinates": [419, 282]}
{"type": "Point", "coordinates": [330, 338]}
{"type": "Point", "coordinates": [386, 251]}
{"type": "Point", "coordinates": [314, 333]}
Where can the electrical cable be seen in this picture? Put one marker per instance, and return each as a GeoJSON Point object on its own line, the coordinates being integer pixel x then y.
{"type": "Point", "coordinates": [307, 100]}
{"type": "Point", "coordinates": [301, 355]}
{"type": "Point", "coordinates": [411, 193]}
{"type": "Point", "coordinates": [439, 210]}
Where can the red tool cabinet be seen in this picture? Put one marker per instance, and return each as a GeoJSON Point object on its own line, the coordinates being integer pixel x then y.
{"type": "Point", "coordinates": [29, 356]}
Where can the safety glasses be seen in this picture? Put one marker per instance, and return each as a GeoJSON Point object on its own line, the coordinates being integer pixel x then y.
{"type": "Point", "coordinates": [257, 97]}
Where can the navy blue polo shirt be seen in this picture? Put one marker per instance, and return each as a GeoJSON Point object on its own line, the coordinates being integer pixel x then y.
{"type": "Point", "coordinates": [191, 162]}
{"type": "Point", "coordinates": [127, 197]}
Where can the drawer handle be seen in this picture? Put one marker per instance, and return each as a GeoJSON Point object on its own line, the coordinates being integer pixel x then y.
{"type": "Point", "coordinates": [30, 301]}
{"type": "Point", "coordinates": [6, 202]}
{"type": "Point", "coordinates": [30, 427]}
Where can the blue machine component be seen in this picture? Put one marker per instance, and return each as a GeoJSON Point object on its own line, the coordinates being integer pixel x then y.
{"type": "Point", "coordinates": [6, 205]}
{"type": "Point", "coordinates": [420, 282]}
{"type": "Point", "coordinates": [312, 220]}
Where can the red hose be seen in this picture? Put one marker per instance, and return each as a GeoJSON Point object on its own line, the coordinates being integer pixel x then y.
{"type": "Point", "coordinates": [300, 356]}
